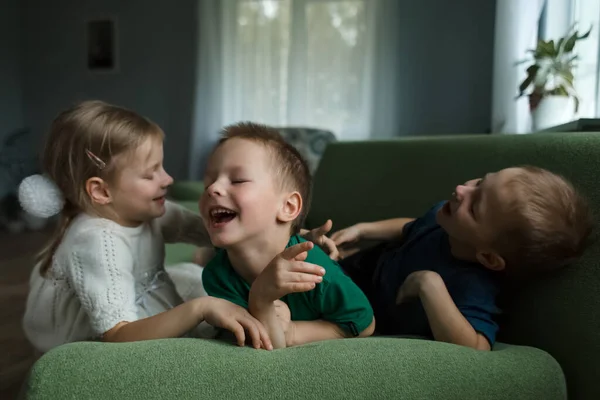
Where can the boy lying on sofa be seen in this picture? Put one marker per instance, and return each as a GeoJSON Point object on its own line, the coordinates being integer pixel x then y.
{"type": "Point", "coordinates": [512, 224]}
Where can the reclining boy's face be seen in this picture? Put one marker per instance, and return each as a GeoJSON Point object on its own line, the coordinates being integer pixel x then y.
{"type": "Point", "coordinates": [475, 213]}
{"type": "Point", "coordinates": [242, 198]}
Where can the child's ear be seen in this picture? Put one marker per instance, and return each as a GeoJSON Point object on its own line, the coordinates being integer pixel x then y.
{"type": "Point", "coordinates": [491, 260]}
{"type": "Point", "coordinates": [291, 207]}
{"type": "Point", "coordinates": [98, 191]}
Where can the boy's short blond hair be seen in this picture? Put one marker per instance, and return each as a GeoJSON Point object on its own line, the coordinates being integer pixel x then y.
{"type": "Point", "coordinates": [552, 223]}
{"type": "Point", "coordinates": [290, 168]}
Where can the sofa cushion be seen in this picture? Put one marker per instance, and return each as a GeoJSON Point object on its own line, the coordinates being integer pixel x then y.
{"type": "Point", "coordinates": [186, 191]}
{"type": "Point", "coordinates": [181, 252]}
{"type": "Point", "coordinates": [384, 368]}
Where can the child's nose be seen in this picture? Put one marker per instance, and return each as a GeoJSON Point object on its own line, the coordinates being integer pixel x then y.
{"type": "Point", "coordinates": [461, 191]}
{"type": "Point", "coordinates": [215, 189]}
{"type": "Point", "coordinates": [168, 180]}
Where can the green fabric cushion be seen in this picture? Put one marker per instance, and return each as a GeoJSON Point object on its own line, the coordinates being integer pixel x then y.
{"type": "Point", "coordinates": [186, 191]}
{"type": "Point", "coordinates": [365, 181]}
{"type": "Point", "coordinates": [384, 368]}
{"type": "Point", "coordinates": [181, 252]}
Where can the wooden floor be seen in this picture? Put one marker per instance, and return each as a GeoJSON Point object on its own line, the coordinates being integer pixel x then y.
{"type": "Point", "coordinates": [17, 253]}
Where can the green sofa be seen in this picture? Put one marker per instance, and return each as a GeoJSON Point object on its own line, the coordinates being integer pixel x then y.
{"type": "Point", "coordinates": [549, 340]}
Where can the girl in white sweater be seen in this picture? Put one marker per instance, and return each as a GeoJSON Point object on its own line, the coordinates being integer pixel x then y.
{"type": "Point", "coordinates": [102, 276]}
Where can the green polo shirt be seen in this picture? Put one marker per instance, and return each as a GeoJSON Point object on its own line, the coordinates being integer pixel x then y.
{"type": "Point", "coordinates": [336, 299]}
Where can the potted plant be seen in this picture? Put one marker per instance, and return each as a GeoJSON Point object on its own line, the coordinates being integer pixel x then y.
{"type": "Point", "coordinates": [549, 82]}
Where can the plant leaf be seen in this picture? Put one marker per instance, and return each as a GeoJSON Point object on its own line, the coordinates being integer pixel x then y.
{"type": "Point", "coordinates": [585, 35]}
{"type": "Point", "coordinates": [531, 74]}
{"type": "Point", "coordinates": [559, 46]}
{"type": "Point", "coordinates": [570, 43]}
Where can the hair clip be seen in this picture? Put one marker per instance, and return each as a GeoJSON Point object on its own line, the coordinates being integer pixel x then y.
{"type": "Point", "coordinates": [96, 160]}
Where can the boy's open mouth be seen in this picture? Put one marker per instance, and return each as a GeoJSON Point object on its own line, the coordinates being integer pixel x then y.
{"type": "Point", "coordinates": [221, 215]}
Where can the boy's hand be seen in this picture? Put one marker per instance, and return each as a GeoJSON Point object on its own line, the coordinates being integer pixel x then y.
{"type": "Point", "coordinates": [285, 318]}
{"type": "Point", "coordinates": [319, 237]}
{"type": "Point", "coordinates": [414, 283]}
{"type": "Point", "coordinates": [286, 273]}
{"type": "Point", "coordinates": [347, 240]}
{"type": "Point", "coordinates": [224, 314]}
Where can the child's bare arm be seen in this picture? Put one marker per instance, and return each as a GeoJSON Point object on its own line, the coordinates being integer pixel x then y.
{"type": "Point", "coordinates": [266, 313]}
{"type": "Point", "coordinates": [301, 332]}
{"type": "Point", "coordinates": [388, 229]}
{"type": "Point", "coordinates": [285, 274]}
{"type": "Point", "coordinates": [445, 319]}
{"type": "Point", "coordinates": [183, 318]}
{"type": "Point", "coordinates": [348, 240]}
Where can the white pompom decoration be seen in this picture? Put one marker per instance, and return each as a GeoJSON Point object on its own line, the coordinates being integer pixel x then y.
{"type": "Point", "coordinates": [40, 197]}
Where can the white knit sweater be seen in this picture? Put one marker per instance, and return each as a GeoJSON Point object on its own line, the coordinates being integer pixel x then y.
{"type": "Point", "coordinates": [103, 273]}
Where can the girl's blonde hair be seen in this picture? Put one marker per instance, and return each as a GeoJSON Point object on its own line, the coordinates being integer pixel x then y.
{"type": "Point", "coordinates": [95, 127]}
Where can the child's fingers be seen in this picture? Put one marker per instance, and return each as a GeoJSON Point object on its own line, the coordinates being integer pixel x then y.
{"type": "Point", "coordinates": [297, 287]}
{"type": "Point", "coordinates": [340, 237]}
{"type": "Point", "coordinates": [307, 268]}
{"type": "Point", "coordinates": [331, 248]}
{"type": "Point", "coordinates": [253, 331]}
{"type": "Point", "coordinates": [238, 330]}
{"type": "Point", "coordinates": [302, 256]}
{"type": "Point", "coordinates": [264, 337]}
{"type": "Point", "coordinates": [302, 277]}
{"type": "Point", "coordinates": [323, 229]}
{"type": "Point", "coordinates": [291, 252]}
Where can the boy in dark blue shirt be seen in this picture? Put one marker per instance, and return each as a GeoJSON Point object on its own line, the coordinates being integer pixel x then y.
{"type": "Point", "coordinates": [439, 275]}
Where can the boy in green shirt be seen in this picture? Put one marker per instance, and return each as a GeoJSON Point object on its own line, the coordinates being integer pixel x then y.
{"type": "Point", "coordinates": [257, 193]}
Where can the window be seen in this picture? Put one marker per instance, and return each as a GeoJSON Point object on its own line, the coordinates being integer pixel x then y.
{"type": "Point", "coordinates": [557, 17]}
{"type": "Point", "coordinates": [299, 62]}
{"type": "Point", "coordinates": [586, 13]}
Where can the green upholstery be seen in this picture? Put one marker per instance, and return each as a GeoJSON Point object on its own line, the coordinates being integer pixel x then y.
{"type": "Point", "coordinates": [552, 327]}
{"type": "Point", "coordinates": [186, 191]}
{"type": "Point", "coordinates": [371, 368]}
{"type": "Point", "coordinates": [181, 252]}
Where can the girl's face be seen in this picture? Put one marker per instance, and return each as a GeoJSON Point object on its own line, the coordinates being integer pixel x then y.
{"type": "Point", "coordinates": [139, 190]}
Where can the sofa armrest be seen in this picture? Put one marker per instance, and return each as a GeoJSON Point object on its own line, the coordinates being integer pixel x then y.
{"type": "Point", "coordinates": [376, 367]}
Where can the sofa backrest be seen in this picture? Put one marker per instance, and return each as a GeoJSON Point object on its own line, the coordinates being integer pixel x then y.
{"type": "Point", "coordinates": [365, 181]}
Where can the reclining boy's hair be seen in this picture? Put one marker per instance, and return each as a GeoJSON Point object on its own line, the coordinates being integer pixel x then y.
{"type": "Point", "coordinates": [553, 223]}
{"type": "Point", "coordinates": [291, 170]}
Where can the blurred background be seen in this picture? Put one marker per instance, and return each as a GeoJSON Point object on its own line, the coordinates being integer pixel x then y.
{"type": "Point", "coordinates": [320, 70]}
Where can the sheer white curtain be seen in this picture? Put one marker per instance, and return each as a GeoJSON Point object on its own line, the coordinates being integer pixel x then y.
{"type": "Point", "coordinates": [299, 62]}
{"type": "Point", "coordinates": [315, 63]}
{"type": "Point", "coordinates": [515, 31]}
{"type": "Point", "coordinates": [586, 13]}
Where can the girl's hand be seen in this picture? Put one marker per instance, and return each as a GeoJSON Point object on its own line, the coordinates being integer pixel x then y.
{"type": "Point", "coordinates": [224, 314]}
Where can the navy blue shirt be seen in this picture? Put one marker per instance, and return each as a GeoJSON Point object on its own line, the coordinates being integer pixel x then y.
{"type": "Point", "coordinates": [426, 246]}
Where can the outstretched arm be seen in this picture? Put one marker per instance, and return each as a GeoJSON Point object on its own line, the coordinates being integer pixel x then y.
{"type": "Point", "coordinates": [447, 323]}
{"type": "Point", "coordinates": [179, 320]}
{"type": "Point", "coordinates": [301, 332]}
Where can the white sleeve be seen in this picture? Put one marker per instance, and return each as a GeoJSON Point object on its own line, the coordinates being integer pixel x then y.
{"type": "Point", "coordinates": [101, 272]}
{"type": "Point", "coordinates": [181, 225]}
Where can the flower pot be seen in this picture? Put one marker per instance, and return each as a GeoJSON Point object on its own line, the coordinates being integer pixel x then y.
{"type": "Point", "coordinates": [552, 111]}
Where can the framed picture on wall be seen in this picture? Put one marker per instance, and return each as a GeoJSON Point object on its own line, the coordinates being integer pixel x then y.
{"type": "Point", "coordinates": [101, 51]}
